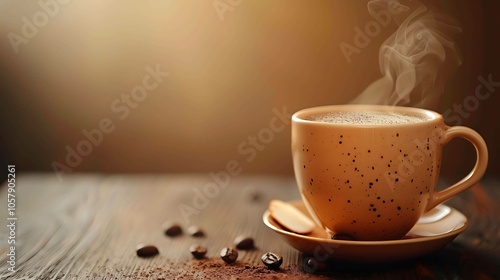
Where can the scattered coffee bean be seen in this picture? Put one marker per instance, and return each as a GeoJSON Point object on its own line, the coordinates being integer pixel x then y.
{"type": "Point", "coordinates": [146, 250]}
{"type": "Point", "coordinates": [251, 194]}
{"type": "Point", "coordinates": [196, 231]}
{"type": "Point", "coordinates": [171, 229]}
{"type": "Point", "coordinates": [243, 242]}
{"type": "Point", "coordinates": [255, 196]}
{"type": "Point", "coordinates": [229, 255]}
{"type": "Point", "coordinates": [311, 265]}
{"type": "Point", "coordinates": [198, 251]}
{"type": "Point", "coordinates": [272, 260]}
{"type": "Point", "coordinates": [342, 236]}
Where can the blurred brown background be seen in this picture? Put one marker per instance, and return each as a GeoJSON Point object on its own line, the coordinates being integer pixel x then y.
{"type": "Point", "coordinates": [226, 76]}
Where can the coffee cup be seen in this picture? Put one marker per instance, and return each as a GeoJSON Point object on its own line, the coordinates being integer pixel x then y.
{"type": "Point", "coordinates": [370, 171]}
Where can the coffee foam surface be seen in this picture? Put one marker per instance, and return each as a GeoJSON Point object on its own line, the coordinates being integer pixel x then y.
{"type": "Point", "coordinates": [367, 117]}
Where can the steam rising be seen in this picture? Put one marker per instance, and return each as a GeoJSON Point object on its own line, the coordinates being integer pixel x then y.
{"type": "Point", "coordinates": [416, 60]}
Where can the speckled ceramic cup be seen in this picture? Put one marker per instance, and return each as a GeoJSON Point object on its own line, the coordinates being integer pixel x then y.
{"type": "Point", "coordinates": [374, 181]}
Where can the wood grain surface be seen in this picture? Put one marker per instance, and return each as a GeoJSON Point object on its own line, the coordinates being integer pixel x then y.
{"type": "Point", "coordinates": [87, 227]}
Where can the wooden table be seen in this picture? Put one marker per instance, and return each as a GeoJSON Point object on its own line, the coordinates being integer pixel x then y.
{"type": "Point", "coordinates": [87, 227]}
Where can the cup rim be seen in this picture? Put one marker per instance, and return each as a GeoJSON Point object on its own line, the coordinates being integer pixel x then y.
{"type": "Point", "coordinates": [298, 117]}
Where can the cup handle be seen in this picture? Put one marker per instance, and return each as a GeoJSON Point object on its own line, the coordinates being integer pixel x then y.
{"type": "Point", "coordinates": [474, 176]}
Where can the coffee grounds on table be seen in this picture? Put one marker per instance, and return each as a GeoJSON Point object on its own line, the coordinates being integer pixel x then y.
{"type": "Point", "coordinates": [215, 268]}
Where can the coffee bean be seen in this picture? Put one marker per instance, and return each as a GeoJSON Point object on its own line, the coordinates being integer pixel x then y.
{"type": "Point", "coordinates": [312, 265]}
{"type": "Point", "coordinates": [171, 228]}
{"type": "Point", "coordinates": [342, 236]}
{"type": "Point", "coordinates": [253, 195]}
{"type": "Point", "coordinates": [196, 231]}
{"type": "Point", "coordinates": [243, 242]}
{"type": "Point", "coordinates": [229, 255]}
{"type": "Point", "coordinates": [146, 250]}
{"type": "Point", "coordinates": [272, 260]}
{"type": "Point", "coordinates": [198, 251]}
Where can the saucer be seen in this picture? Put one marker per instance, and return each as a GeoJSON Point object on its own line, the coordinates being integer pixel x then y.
{"type": "Point", "coordinates": [433, 231]}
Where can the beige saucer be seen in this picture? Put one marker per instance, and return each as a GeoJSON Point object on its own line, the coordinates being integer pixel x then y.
{"type": "Point", "coordinates": [433, 231]}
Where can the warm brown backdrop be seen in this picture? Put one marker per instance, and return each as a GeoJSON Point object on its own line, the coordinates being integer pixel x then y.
{"type": "Point", "coordinates": [225, 79]}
